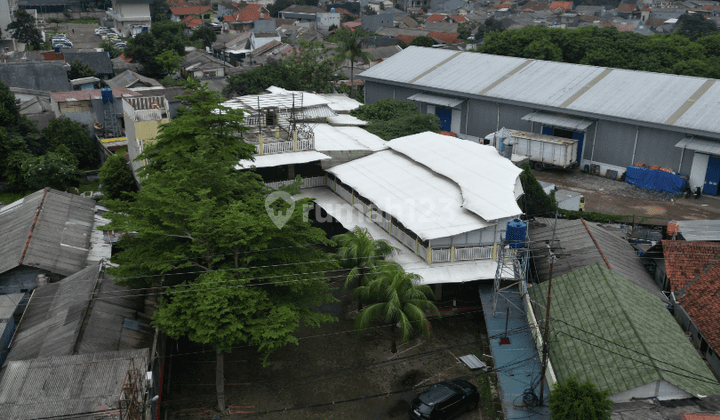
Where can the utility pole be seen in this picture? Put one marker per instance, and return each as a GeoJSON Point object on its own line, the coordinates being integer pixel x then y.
{"type": "Point", "coordinates": [546, 334]}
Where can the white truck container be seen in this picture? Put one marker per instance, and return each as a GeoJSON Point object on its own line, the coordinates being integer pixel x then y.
{"type": "Point", "coordinates": [542, 150]}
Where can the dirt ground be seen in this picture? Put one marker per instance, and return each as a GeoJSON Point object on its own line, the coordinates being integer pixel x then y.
{"type": "Point", "coordinates": [331, 364]}
{"type": "Point", "coordinates": [618, 197]}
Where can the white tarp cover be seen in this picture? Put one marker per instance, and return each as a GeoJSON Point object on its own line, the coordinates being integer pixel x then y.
{"type": "Point", "coordinates": [329, 138]}
{"type": "Point", "coordinates": [349, 217]}
{"type": "Point", "coordinates": [279, 159]}
{"type": "Point", "coordinates": [488, 181]}
{"type": "Point", "coordinates": [428, 204]}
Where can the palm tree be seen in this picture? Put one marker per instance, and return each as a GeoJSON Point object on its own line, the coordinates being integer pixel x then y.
{"type": "Point", "coordinates": [400, 301]}
{"type": "Point", "coordinates": [361, 253]}
{"type": "Point", "coordinates": [349, 48]}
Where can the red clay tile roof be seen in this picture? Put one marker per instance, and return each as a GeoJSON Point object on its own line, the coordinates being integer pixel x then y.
{"type": "Point", "coordinates": [406, 39]}
{"type": "Point", "coordinates": [500, 6]}
{"type": "Point", "coordinates": [655, 22]}
{"type": "Point", "coordinates": [444, 37]}
{"type": "Point", "coordinates": [343, 11]}
{"type": "Point", "coordinates": [189, 10]}
{"type": "Point", "coordinates": [561, 5]}
{"type": "Point", "coordinates": [244, 15]}
{"type": "Point", "coordinates": [694, 272]}
{"type": "Point", "coordinates": [86, 95]}
{"type": "Point", "coordinates": [351, 24]}
{"type": "Point", "coordinates": [53, 56]}
{"type": "Point", "coordinates": [459, 19]}
{"type": "Point", "coordinates": [125, 59]}
{"type": "Point", "coordinates": [626, 8]}
{"type": "Point", "coordinates": [536, 5]}
{"type": "Point", "coordinates": [258, 7]}
{"type": "Point", "coordinates": [436, 18]}
{"type": "Point", "coordinates": [193, 23]}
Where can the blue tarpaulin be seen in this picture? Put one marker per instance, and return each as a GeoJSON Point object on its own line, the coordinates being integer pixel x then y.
{"type": "Point", "coordinates": [654, 179]}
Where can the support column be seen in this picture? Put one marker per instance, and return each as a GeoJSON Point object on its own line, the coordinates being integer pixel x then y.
{"type": "Point", "coordinates": [260, 143]}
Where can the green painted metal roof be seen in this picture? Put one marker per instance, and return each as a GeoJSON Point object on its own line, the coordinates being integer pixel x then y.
{"type": "Point", "coordinates": [596, 301]}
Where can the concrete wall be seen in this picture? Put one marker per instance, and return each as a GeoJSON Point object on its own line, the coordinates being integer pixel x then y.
{"type": "Point", "coordinates": [133, 10]}
{"type": "Point", "coordinates": [326, 20]}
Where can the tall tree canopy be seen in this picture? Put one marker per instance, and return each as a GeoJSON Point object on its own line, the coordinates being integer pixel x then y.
{"type": "Point", "coordinates": [76, 137]}
{"type": "Point", "coordinates": [607, 47]}
{"type": "Point", "coordinates": [349, 48]}
{"type": "Point", "coordinates": [205, 228]}
{"type": "Point", "coordinates": [311, 69]}
{"type": "Point", "coordinates": [572, 400]}
{"type": "Point", "coordinates": [24, 30]}
{"type": "Point", "coordinates": [79, 69]}
{"type": "Point", "coordinates": [17, 133]}
{"type": "Point", "coordinates": [165, 35]}
{"type": "Point", "coordinates": [392, 118]}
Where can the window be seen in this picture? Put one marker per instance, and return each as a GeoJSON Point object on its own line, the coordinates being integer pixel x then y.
{"type": "Point", "coordinates": [559, 132]}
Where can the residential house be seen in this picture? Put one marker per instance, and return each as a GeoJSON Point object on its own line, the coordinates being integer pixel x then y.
{"type": "Point", "coordinates": [445, 38]}
{"type": "Point", "coordinates": [274, 50]}
{"type": "Point", "coordinates": [133, 81]}
{"type": "Point", "coordinates": [408, 22]}
{"type": "Point", "coordinates": [578, 244]}
{"type": "Point", "coordinates": [613, 333]}
{"type": "Point", "coordinates": [535, 6]}
{"type": "Point", "coordinates": [394, 32]}
{"type": "Point", "coordinates": [143, 117]}
{"type": "Point", "coordinates": [96, 316]}
{"type": "Point", "coordinates": [202, 66]}
{"type": "Point", "coordinates": [43, 237]}
{"type": "Point", "coordinates": [259, 39]}
{"type": "Point", "coordinates": [227, 8]}
{"type": "Point", "coordinates": [447, 27]}
{"type": "Point", "coordinates": [561, 6]}
{"type": "Point", "coordinates": [372, 23]}
{"type": "Point", "coordinates": [522, 94]}
{"type": "Point", "coordinates": [243, 19]}
{"type": "Point", "coordinates": [304, 13]}
{"type": "Point", "coordinates": [353, 7]}
{"type": "Point", "coordinates": [179, 14]}
{"type": "Point", "coordinates": [99, 62]}
{"type": "Point", "coordinates": [122, 63]}
{"type": "Point", "coordinates": [697, 230]}
{"type": "Point", "coordinates": [41, 76]}
{"type": "Point", "coordinates": [85, 83]}
{"type": "Point", "coordinates": [232, 48]}
{"type": "Point", "coordinates": [35, 105]}
{"type": "Point", "coordinates": [694, 272]}
{"type": "Point", "coordinates": [628, 11]}
{"type": "Point", "coordinates": [430, 196]}
{"type": "Point", "coordinates": [92, 109]}
{"type": "Point", "coordinates": [293, 34]}
{"type": "Point", "coordinates": [435, 18]}
{"type": "Point", "coordinates": [130, 17]}
{"type": "Point", "coordinates": [707, 408]}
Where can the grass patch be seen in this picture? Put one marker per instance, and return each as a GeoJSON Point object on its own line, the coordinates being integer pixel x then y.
{"type": "Point", "coordinates": [592, 216]}
{"type": "Point", "coordinates": [93, 186]}
{"type": "Point", "coordinates": [486, 397]}
{"type": "Point", "coordinates": [84, 21]}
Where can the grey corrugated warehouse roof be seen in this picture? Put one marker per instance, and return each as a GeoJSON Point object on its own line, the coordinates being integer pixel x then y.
{"type": "Point", "coordinates": [575, 249]}
{"type": "Point", "coordinates": [48, 229]}
{"type": "Point", "coordinates": [664, 100]}
{"type": "Point", "coordinates": [83, 313]}
{"type": "Point", "coordinates": [60, 386]}
{"type": "Point", "coordinates": [44, 76]}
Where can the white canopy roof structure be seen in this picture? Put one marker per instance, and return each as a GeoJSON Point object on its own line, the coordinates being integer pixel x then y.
{"type": "Point", "coordinates": [428, 204]}
{"type": "Point", "coordinates": [349, 217]}
{"type": "Point", "coordinates": [489, 183]}
{"type": "Point", "coordinates": [279, 159]}
{"type": "Point", "coordinates": [345, 119]}
{"type": "Point", "coordinates": [340, 103]}
{"type": "Point", "coordinates": [329, 138]}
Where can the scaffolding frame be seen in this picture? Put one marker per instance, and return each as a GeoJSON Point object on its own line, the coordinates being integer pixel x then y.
{"type": "Point", "coordinates": [132, 396]}
{"type": "Point", "coordinates": [512, 269]}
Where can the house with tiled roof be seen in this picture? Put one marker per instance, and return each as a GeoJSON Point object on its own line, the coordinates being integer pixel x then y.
{"type": "Point", "coordinates": [87, 107]}
{"type": "Point", "coordinates": [178, 14]}
{"type": "Point", "coordinates": [405, 39]}
{"type": "Point", "coordinates": [626, 11]}
{"type": "Point", "coordinates": [435, 18]}
{"type": "Point", "coordinates": [561, 6]}
{"type": "Point", "coordinates": [444, 37]}
{"type": "Point", "coordinates": [611, 332]}
{"type": "Point", "coordinates": [535, 6]}
{"type": "Point", "coordinates": [243, 19]}
{"type": "Point", "coordinates": [693, 270]}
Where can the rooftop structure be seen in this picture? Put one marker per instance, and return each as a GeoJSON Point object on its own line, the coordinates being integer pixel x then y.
{"type": "Point", "coordinates": [619, 337]}
{"type": "Point", "coordinates": [143, 116]}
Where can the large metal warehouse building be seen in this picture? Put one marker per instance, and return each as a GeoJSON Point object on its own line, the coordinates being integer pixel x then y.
{"type": "Point", "coordinates": [620, 117]}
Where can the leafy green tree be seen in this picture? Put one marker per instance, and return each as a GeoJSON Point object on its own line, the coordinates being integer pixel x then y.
{"type": "Point", "coordinates": [278, 6]}
{"type": "Point", "coordinates": [164, 35]}
{"type": "Point", "coordinates": [400, 300]}
{"type": "Point", "coordinates": [57, 169]}
{"type": "Point", "coordinates": [571, 400]}
{"type": "Point", "coordinates": [110, 48]}
{"type": "Point", "coordinates": [169, 60]}
{"type": "Point", "coordinates": [116, 178]}
{"type": "Point", "coordinates": [79, 69]}
{"type": "Point", "coordinates": [205, 34]}
{"type": "Point", "coordinates": [358, 251]}
{"type": "Point", "coordinates": [13, 170]}
{"type": "Point", "coordinates": [349, 48]}
{"type": "Point", "coordinates": [207, 223]}
{"type": "Point", "coordinates": [24, 30]}
{"type": "Point", "coordinates": [159, 10]}
{"type": "Point", "coordinates": [17, 133]}
{"type": "Point", "coordinates": [75, 136]}
{"type": "Point", "coordinates": [422, 41]}
{"type": "Point", "coordinates": [309, 69]}
{"type": "Point", "coordinates": [695, 26]}
{"type": "Point", "coordinates": [534, 200]}
{"type": "Point", "coordinates": [391, 118]}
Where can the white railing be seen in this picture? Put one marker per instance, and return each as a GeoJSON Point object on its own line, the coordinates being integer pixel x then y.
{"type": "Point", "coordinates": [422, 251]}
{"type": "Point", "coordinates": [305, 144]}
{"type": "Point", "coordinates": [403, 237]}
{"type": "Point", "coordinates": [441, 255]}
{"type": "Point", "coordinates": [473, 253]}
{"type": "Point", "coordinates": [311, 182]}
{"type": "Point", "coordinates": [345, 194]}
{"type": "Point", "coordinates": [384, 223]}
{"type": "Point", "coordinates": [275, 147]}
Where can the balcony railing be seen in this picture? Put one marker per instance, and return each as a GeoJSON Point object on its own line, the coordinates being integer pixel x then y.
{"type": "Point", "coordinates": [311, 182]}
{"type": "Point", "coordinates": [429, 255]}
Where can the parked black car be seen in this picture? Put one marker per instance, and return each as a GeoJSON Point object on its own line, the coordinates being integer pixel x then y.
{"type": "Point", "coordinates": [445, 400]}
